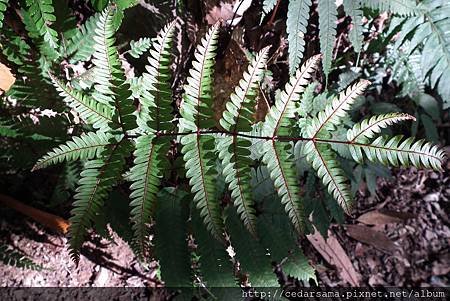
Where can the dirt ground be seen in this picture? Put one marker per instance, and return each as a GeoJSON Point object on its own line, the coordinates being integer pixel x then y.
{"type": "Point", "coordinates": [419, 254]}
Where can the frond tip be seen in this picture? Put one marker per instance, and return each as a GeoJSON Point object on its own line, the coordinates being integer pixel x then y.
{"type": "Point", "coordinates": [369, 127]}
{"type": "Point", "coordinates": [397, 151]}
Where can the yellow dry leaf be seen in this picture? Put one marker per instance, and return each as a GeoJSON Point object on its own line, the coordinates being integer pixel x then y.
{"type": "Point", "coordinates": [7, 79]}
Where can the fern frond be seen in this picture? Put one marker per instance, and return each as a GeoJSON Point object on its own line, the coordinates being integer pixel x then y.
{"type": "Point", "coordinates": [397, 7]}
{"type": "Point", "coordinates": [367, 128]}
{"type": "Point", "coordinates": [297, 21]}
{"type": "Point", "coordinates": [86, 147]}
{"type": "Point", "coordinates": [42, 13]}
{"type": "Point", "coordinates": [337, 109]}
{"type": "Point", "coordinates": [198, 154]}
{"type": "Point", "coordinates": [196, 108]}
{"type": "Point", "coordinates": [111, 86]}
{"type": "Point", "coordinates": [105, 57]}
{"type": "Point", "coordinates": [268, 6]}
{"type": "Point", "coordinates": [171, 246]}
{"type": "Point", "coordinates": [324, 161]}
{"type": "Point", "coordinates": [327, 32]}
{"type": "Point", "coordinates": [16, 258]}
{"type": "Point", "coordinates": [139, 47]}
{"type": "Point", "coordinates": [145, 175]}
{"type": "Point", "coordinates": [97, 114]}
{"type": "Point", "coordinates": [353, 9]}
{"type": "Point", "coordinates": [198, 150]}
{"type": "Point", "coordinates": [282, 172]}
{"type": "Point", "coordinates": [158, 101]}
{"type": "Point", "coordinates": [430, 29]}
{"type": "Point", "coordinates": [279, 121]}
{"type": "Point", "coordinates": [238, 113]}
{"type": "Point", "coordinates": [81, 46]}
{"type": "Point", "coordinates": [97, 179]}
{"type": "Point", "coordinates": [234, 151]}
{"type": "Point", "coordinates": [3, 6]}
{"type": "Point", "coordinates": [397, 151]}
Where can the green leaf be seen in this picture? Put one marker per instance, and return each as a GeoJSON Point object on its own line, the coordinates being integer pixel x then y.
{"type": "Point", "coordinates": [327, 32]}
{"type": "Point", "coordinates": [42, 13]}
{"type": "Point", "coordinates": [234, 151]}
{"type": "Point", "coordinates": [86, 147]}
{"type": "Point", "coordinates": [279, 122]}
{"type": "Point", "coordinates": [297, 21]}
{"type": "Point", "coordinates": [353, 9]}
{"type": "Point", "coordinates": [324, 161]}
{"type": "Point", "coordinates": [145, 175]}
{"type": "Point", "coordinates": [97, 179]}
{"type": "Point", "coordinates": [397, 151]}
{"type": "Point", "coordinates": [337, 109]}
{"type": "Point", "coordinates": [171, 236]}
{"type": "Point", "coordinates": [367, 128]}
{"type": "Point", "coordinates": [156, 100]}
{"type": "Point", "coordinates": [3, 6]}
{"type": "Point", "coordinates": [91, 112]}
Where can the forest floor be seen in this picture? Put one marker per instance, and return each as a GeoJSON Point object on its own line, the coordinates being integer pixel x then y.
{"type": "Point", "coordinates": [407, 245]}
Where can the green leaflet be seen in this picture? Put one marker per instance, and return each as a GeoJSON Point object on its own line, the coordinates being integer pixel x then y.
{"type": "Point", "coordinates": [398, 7]}
{"type": "Point", "coordinates": [353, 9]}
{"type": "Point", "coordinates": [337, 109]}
{"type": "Point", "coordinates": [234, 151]}
{"type": "Point", "coordinates": [156, 103]}
{"type": "Point", "coordinates": [145, 175]}
{"type": "Point", "coordinates": [42, 13]}
{"type": "Point", "coordinates": [91, 112]}
{"type": "Point", "coordinates": [198, 150]}
{"type": "Point", "coordinates": [171, 246]}
{"type": "Point", "coordinates": [268, 6]}
{"type": "Point", "coordinates": [297, 21]}
{"type": "Point", "coordinates": [430, 29]}
{"type": "Point", "coordinates": [86, 147]}
{"type": "Point", "coordinates": [199, 157]}
{"type": "Point", "coordinates": [139, 47]}
{"type": "Point", "coordinates": [397, 151]}
{"type": "Point", "coordinates": [81, 46]}
{"type": "Point", "coordinates": [12, 257]}
{"type": "Point", "coordinates": [327, 32]}
{"type": "Point", "coordinates": [105, 57]}
{"type": "Point", "coordinates": [275, 154]}
{"type": "Point", "coordinates": [278, 236]}
{"type": "Point", "coordinates": [196, 108]}
{"type": "Point", "coordinates": [97, 179]}
{"type": "Point", "coordinates": [367, 128]}
{"type": "Point", "coordinates": [324, 161]}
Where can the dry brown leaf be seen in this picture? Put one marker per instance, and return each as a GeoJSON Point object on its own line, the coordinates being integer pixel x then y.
{"type": "Point", "coordinates": [371, 237]}
{"type": "Point", "coordinates": [332, 251]}
{"type": "Point", "coordinates": [7, 79]}
{"type": "Point", "coordinates": [376, 217]}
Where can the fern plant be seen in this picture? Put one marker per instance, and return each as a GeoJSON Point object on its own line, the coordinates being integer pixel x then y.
{"type": "Point", "coordinates": [120, 130]}
{"type": "Point", "coordinates": [426, 35]}
{"type": "Point", "coordinates": [298, 16]}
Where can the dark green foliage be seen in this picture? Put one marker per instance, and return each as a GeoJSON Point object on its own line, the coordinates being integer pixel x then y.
{"type": "Point", "coordinates": [15, 258]}
{"type": "Point", "coordinates": [131, 128]}
{"type": "Point", "coordinates": [171, 238]}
